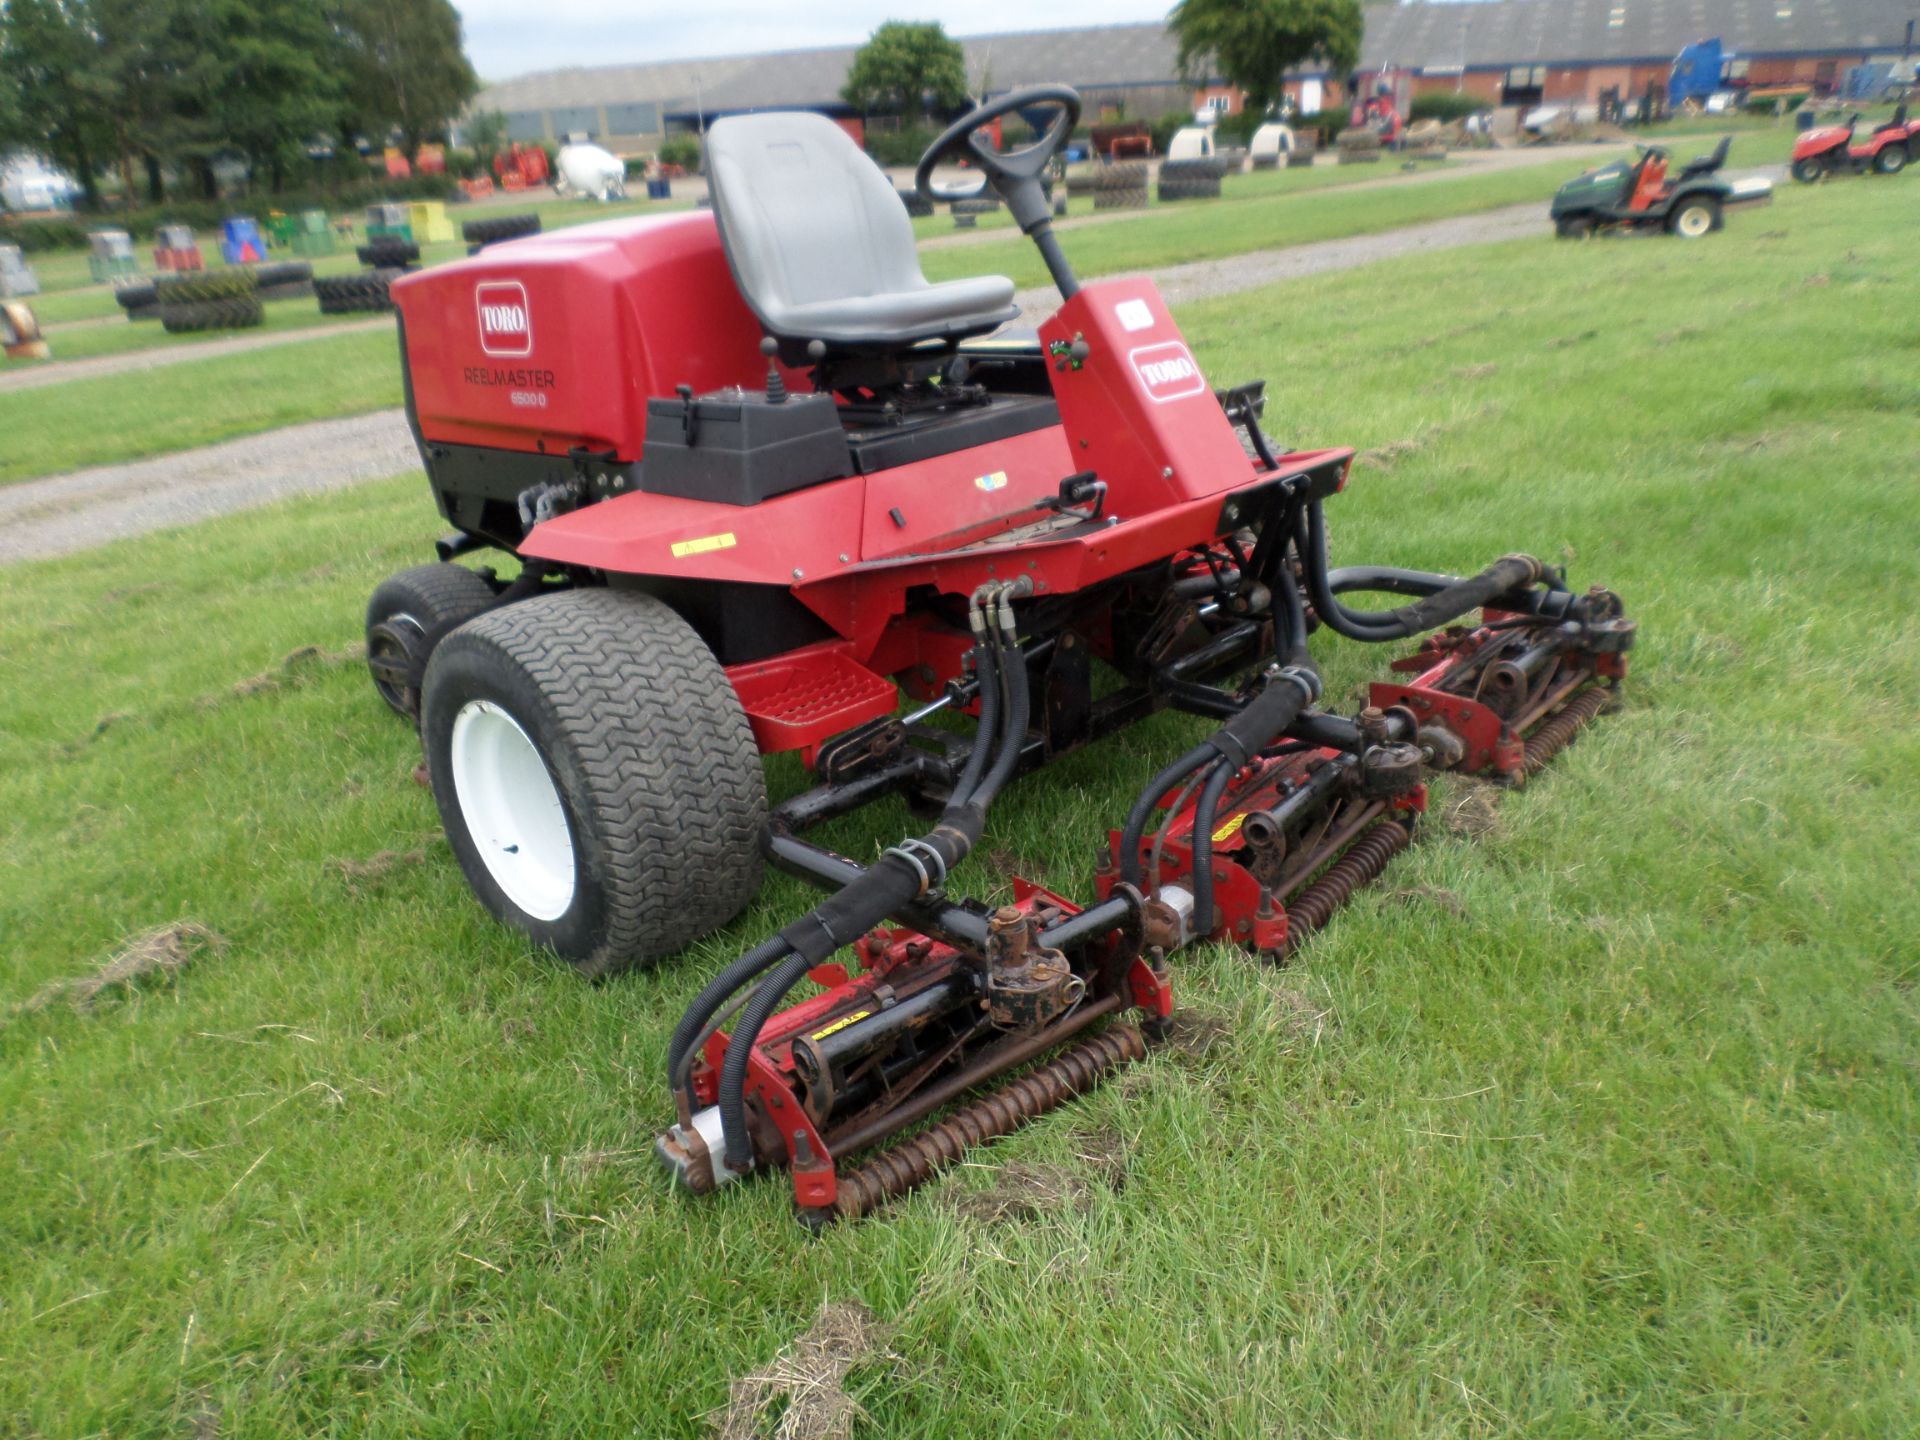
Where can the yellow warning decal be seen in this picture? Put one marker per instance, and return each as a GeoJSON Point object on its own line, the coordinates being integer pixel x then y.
{"type": "Point", "coordinates": [841, 1023]}
{"type": "Point", "coordinates": [684, 548]}
{"type": "Point", "coordinates": [1229, 830]}
{"type": "Point", "coordinates": [989, 483]}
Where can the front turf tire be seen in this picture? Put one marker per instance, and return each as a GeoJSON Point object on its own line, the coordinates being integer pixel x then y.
{"type": "Point", "coordinates": [407, 615]}
{"type": "Point", "coordinates": [1808, 171]}
{"type": "Point", "coordinates": [646, 754]}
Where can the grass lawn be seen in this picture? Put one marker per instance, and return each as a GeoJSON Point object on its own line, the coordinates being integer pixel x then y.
{"type": "Point", "coordinates": [1595, 1118]}
{"type": "Point", "coordinates": [109, 418]}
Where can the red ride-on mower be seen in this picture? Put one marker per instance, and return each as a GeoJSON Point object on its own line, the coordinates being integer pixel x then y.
{"type": "Point", "coordinates": [761, 477]}
{"type": "Point", "coordinates": [1829, 149]}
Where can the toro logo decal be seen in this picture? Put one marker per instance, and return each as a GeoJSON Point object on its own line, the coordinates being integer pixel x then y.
{"type": "Point", "coordinates": [1168, 371]}
{"type": "Point", "coordinates": [506, 320]}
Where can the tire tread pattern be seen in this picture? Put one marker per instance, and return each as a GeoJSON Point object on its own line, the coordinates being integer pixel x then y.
{"type": "Point", "coordinates": [674, 788]}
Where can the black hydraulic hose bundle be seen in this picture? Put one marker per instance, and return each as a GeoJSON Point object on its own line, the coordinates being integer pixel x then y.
{"type": "Point", "coordinates": [1448, 601]}
{"type": "Point", "coordinates": [893, 882]}
{"type": "Point", "coordinates": [1227, 750]}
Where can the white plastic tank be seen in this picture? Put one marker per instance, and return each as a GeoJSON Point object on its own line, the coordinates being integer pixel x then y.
{"type": "Point", "coordinates": [588, 170]}
{"type": "Point", "coordinates": [1190, 142]}
{"type": "Point", "coordinates": [1272, 138]}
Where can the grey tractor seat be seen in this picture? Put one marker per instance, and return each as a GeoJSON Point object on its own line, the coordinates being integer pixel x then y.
{"type": "Point", "coordinates": [821, 246]}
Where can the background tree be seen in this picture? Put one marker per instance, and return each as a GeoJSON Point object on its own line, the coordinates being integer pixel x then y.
{"type": "Point", "coordinates": [485, 132]}
{"type": "Point", "coordinates": [909, 69]}
{"type": "Point", "coordinates": [1253, 43]}
{"type": "Point", "coordinates": [408, 68]}
{"type": "Point", "coordinates": [50, 61]}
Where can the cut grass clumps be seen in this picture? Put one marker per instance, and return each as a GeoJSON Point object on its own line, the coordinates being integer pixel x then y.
{"type": "Point", "coordinates": [157, 954]}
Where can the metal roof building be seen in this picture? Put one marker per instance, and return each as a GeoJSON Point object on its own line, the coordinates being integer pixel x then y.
{"type": "Point", "coordinates": [1561, 49]}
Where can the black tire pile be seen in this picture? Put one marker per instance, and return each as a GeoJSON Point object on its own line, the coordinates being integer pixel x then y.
{"type": "Point", "coordinates": [283, 280]}
{"type": "Point", "coordinates": [1191, 179]}
{"type": "Point", "coordinates": [139, 298]}
{"type": "Point", "coordinates": [497, 228]}
{"type": "Point", "coordinates": [364, 293]}
{"type": "Point", "coordinates": [917, 205]}
{"type": "Point", "coordinates": [208, 300]}
{"type": "Point", "coordinates": [388, 252]}
{"type": "Point", "coordinates": [1121, 187]}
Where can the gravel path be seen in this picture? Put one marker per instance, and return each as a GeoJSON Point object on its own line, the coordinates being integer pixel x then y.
{"type": "Point", "coordinates": [58, 372]}
{"type": "Point", "coordinates": [67, 513]}
{"type": "Point", "coordinates": [57, 516]}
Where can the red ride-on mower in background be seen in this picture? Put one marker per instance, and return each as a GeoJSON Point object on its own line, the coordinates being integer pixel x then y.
{"type": "Point", "coordinates": [1829, 149]}
{"type": "Point", "coordinates": [761, 477]}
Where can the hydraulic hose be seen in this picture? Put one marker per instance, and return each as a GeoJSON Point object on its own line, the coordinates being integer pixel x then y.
{"type": "Point", "coordinates": [1136, 825]}
{"type": "Point", "coordinates": [1446, 604]}
{"type": "Point", "coordinates": [748, 967]}
{"type": "Point", "coordinates": [733, 1070]}
{"type": "Point", "coordinates": [1203, 815]}
{"type": "Point", "coordinates": [1262, 719]}
{"type": "Point", "coordinates": [899, 877]}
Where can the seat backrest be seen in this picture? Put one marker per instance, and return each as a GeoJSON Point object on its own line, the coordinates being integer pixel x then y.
{"type": "Point", "coordinates": [1712, 160]}
{"type": "Point", "coordinates": [805, 215]}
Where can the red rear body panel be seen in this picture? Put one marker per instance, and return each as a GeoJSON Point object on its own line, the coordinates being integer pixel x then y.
{"type": "Point", "coordinates": [609, 314]}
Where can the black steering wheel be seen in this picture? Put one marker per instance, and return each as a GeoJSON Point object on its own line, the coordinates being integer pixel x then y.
{"type": "Point", "coordinates": [1016, 174]}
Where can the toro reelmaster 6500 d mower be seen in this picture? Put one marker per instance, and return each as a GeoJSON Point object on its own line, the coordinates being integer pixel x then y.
{"type": "Point", "coordinates": [761, 477]}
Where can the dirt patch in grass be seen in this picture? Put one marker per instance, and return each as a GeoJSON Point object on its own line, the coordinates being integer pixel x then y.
{"type": "Point", "coordinates": [1434, 895]}
{"type": "Point", "coordinates": [1022, 1191]}
{"type": "Point", "coordinates": [1196, 1033]}
{"type": "Point", "coordinates": [363, 875]}
{"type": "Point", "coordinates": [292, 666]}
{"type": "Point", "coordinates": [164, 950]}
{"type": "Point", "coordinates": [1299, 1016]}
{"type": "Point", "coordinates": [1472, 807]}
{"type": "Point", "coordinates": [803, 1393]}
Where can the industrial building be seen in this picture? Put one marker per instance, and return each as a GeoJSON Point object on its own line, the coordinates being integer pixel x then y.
{"type": "Point", "coordinates": [1506, 51]}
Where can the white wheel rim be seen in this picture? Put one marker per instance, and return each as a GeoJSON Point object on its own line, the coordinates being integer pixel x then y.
{"type": "Point", "coordinates": [1694, 222]}
{"type": "Point", "coordinates": [512, 810]}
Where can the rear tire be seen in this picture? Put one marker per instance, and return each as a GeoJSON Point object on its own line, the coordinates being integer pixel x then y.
{"type": "Point", "coordinates": [407, 616]}
{"type": "Point", "coordinates": [638, 829]}
{"type": "Point", "coordinates": [1694, 218]}
{"type": "Point", "coordinates": [1808, 171]}
{"type": "Point", "coordinates": [1891, 160]}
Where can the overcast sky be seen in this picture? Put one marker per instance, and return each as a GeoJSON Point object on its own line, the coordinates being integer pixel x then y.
{"type": "Point", "coordinates": [510, 37]}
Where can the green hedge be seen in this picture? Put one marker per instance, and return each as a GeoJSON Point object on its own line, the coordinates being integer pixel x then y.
{"type": "Point", "coordinates": [681, 150]}
{"type": "Point", "coordinates": [66, 233]}
{"type": "Point", "coordinates": [904, 146]}
{"type": "Point", "coordinates": [1444, 107]}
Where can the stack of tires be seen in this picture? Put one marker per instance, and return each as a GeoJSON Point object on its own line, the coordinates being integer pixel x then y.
{"type": "Point", "coordinates": [385, 256]}
{"type": "Point", "coordinates": [208, 300]}
{"type": "Point", "coordinates": [495, 228]}
{"type": "Point", "coordinates": [139, 298]}
{"type": "Point", "coordinates": [283, 280]}
{"type": "Point", "coordinates": [389, 252]}
{"type": "Point", "coordinates": [1302, 153]}
{"type": "Point", "coordinates": [1191, 179]}
{"type": "Point", "coordinates": [1083, 182]}
{"type": "Point", "coordinates": [1121, 187]}
{"type": "Point", "coordinates": [967, 213]}
{"type": "Point", "coordinates": [1266, 161]}
{"type": "Point", "coordinates": [917, 205]}
{"type": "Point", "coordinates": [364, 293]}
{"type": "Point", "coordinates": [1359, 146]}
